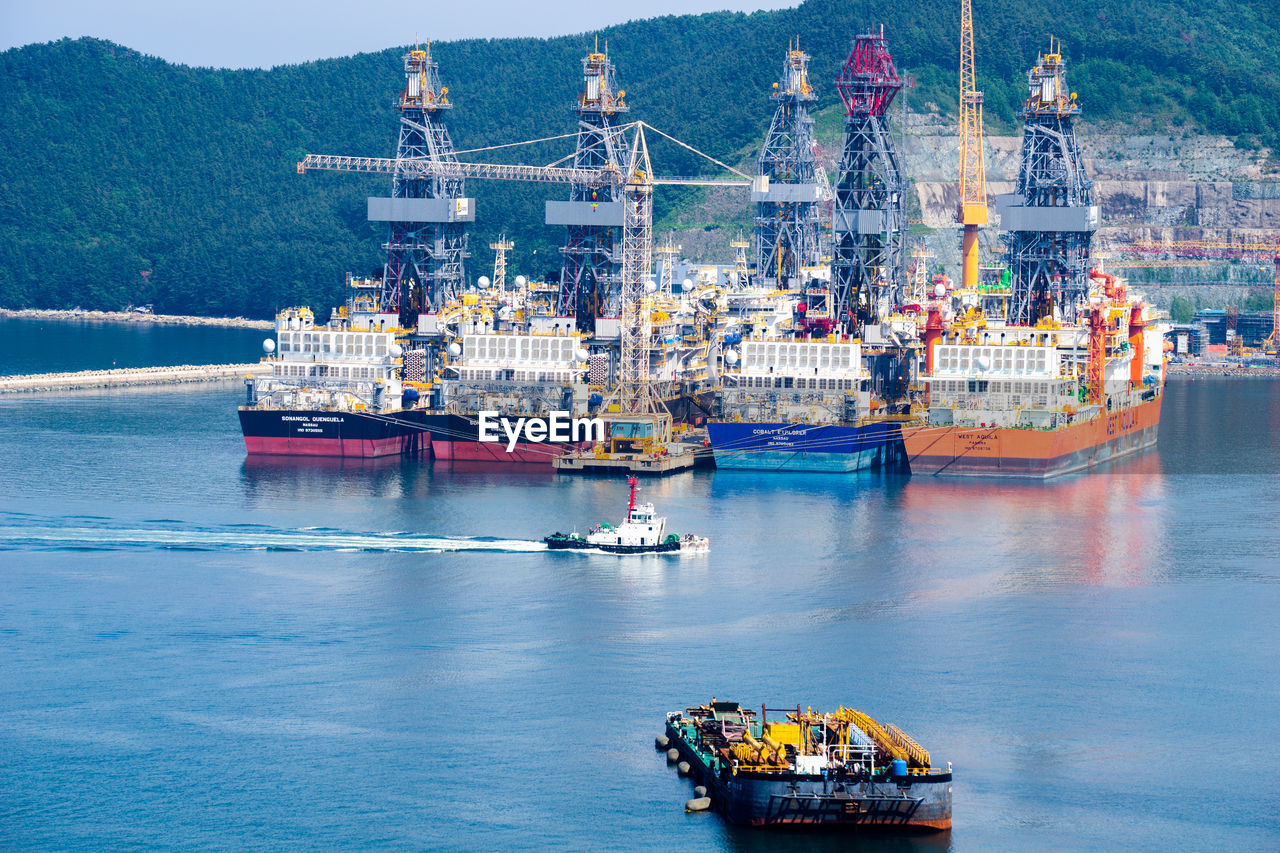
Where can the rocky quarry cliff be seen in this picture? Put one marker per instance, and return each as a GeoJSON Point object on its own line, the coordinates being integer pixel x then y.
{"type": "Point", "coordinates": [1149, 187]}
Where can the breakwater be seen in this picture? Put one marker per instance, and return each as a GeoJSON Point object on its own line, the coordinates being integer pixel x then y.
{"type": "Point", "coordinates": [127, 377]}
{"type": "Point", "coordinates": [137, 317]}
{"type": "Point", "coordinates": [1230, 369]}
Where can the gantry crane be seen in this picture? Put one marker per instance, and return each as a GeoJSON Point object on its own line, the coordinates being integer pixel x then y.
{"type": "Point", "coordinates": [634, 393]}
{"type": "Point", "coordinates": [972, 211]}
{"type": "Point", "coordinates": [1226, 250]}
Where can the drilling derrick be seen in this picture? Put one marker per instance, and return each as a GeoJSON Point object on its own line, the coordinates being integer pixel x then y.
{"type": "Point", "coordinates": [668, 253]}
{"type": "Point", "coordinates": [869, 222]}
{"type": "Point", "coordinates": [1049, 221]}
{"type": "Point", "coordinates": [500, 250]}
{"type": "Point", "coordinates": [788, 204]}
{"type": "Point", "coordinates": [426, 215]}
{"type": "Point", "coordinates": [972, 212]}
{"type": "Point", "coordinates": [591, 279]}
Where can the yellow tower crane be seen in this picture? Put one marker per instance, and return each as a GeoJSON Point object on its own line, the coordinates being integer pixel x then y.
{"type": "Point", "coordinates": [972, 212]}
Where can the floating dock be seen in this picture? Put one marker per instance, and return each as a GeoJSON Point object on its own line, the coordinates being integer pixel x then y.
{"type": "Point", "coordinates": [592, 460]}
{"type": "Point", "coordinates": [128, 377]}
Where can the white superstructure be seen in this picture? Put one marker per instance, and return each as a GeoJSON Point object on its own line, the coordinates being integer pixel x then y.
{"type": "Point", "coordinates": [331, 367]}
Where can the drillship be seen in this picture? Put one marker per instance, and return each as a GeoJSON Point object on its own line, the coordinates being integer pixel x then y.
{"type": "Point", "coordinates": [1038, 401]}
{"type": "Point", "coordinates": [820, 378]}
{"type": "Point", "coordinates": [332, 390]}
{"type": "Point", "coordinates": [801, 404]}
{"type": "Point", "coordinates": [1060, 368]}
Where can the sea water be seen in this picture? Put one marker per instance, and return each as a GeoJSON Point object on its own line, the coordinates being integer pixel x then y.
{"type": "Point", "coordinates": [205, 650]}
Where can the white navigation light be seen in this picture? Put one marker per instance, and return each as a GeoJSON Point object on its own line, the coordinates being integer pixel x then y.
{"type": "Point", "coordinates": [455, 350]}
{"type": "Point", "coordinates": [650, 286]}
{"type": "Point", "coordinates": [483, 281]}
{"type": "Point", "coordinates": [521, 281]}
{"type": "Point", "coordinates": [730, 357]}
{"type": "Point", "coordinates": [395, 350]}
{"type": "Point", "coordinates": [268, 346]}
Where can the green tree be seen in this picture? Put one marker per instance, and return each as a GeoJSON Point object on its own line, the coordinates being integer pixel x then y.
{"type": "Point", "coordinates": [112, 162]}
{"type": "Point", "coordinates": [1181, 310]}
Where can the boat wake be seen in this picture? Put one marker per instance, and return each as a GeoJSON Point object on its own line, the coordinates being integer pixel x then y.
{"type": "Point", "coordinates": [76, 535]}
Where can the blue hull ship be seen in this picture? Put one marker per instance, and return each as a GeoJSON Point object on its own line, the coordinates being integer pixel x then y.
{"type": "Point", "coordinates": [807, 447]}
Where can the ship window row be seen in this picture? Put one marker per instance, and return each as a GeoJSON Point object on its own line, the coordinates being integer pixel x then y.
{"type": "Point", "coordinates": [802, 355]}
{"type": "Point", "coordinates": [508, 348]}
{"type": "Point", "coordinates": [984, 386]}
{"type": "Point", "coordinates": [812, 384]}
{"type": "Point", "coordinates": [994, 402]}
{"type": "Point", "coordinates": [479, 374]}
{"type": "Point", "coordinates": [332, 371]}
{"type": "Point", "coordinates": [1015, 360]}
{"type": "Point", "coordinates": [334, 343]}
{"type": "Point", "coordinates": [853, 370]}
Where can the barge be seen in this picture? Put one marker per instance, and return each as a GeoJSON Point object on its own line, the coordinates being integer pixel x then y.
{"type": "Point", "coordinates": [797, 768]}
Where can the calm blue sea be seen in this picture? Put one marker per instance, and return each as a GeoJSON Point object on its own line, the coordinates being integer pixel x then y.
{"type": "Point", "coordinates": [205, 651]}
{"type": "Point", "coordinates": [54, 346]}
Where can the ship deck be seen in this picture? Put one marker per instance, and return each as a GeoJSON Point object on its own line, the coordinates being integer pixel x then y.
{"type": "Point", "coordinates": [915, 801]}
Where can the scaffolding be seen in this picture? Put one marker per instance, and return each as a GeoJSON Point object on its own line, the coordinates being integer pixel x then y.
{"type": "Point", "coordinates": [426, 215]}
{"type": "Point", "coordinates": [1050, 219]}
{"type": "Point", "coordinates": [789, 203]}
{"type": "Point", "coordinates": [591, 278]}
{"type": "Point", "coordinates": [869, 221]}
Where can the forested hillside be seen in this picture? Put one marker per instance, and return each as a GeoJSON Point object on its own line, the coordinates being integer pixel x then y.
{"type": "Point", "coordinates": [113, 163]}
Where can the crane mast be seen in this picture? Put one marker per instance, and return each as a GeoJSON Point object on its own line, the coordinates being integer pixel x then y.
{"type": "Point", "coordinates": [635, 385]}
{"type": "Point", "coordinates": [972, 212]}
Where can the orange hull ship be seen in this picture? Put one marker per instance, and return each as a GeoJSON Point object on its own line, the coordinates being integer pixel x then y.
{"type": "Point", "coordinates": [1006, 400]}
{"type": "Point", "coordinates": [1029, 452]}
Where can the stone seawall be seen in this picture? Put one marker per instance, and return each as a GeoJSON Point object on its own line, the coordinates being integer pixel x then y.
{"type": "Point", "coordinates": [1233, 370]}
{"type": "Point", "coordinates": [137, 317]}
{"type": "Point", "coordinates": [127, 377]}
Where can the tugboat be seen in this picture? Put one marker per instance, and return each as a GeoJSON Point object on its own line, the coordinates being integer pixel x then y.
{"type": "Point", "coordinates": [642, 532]}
